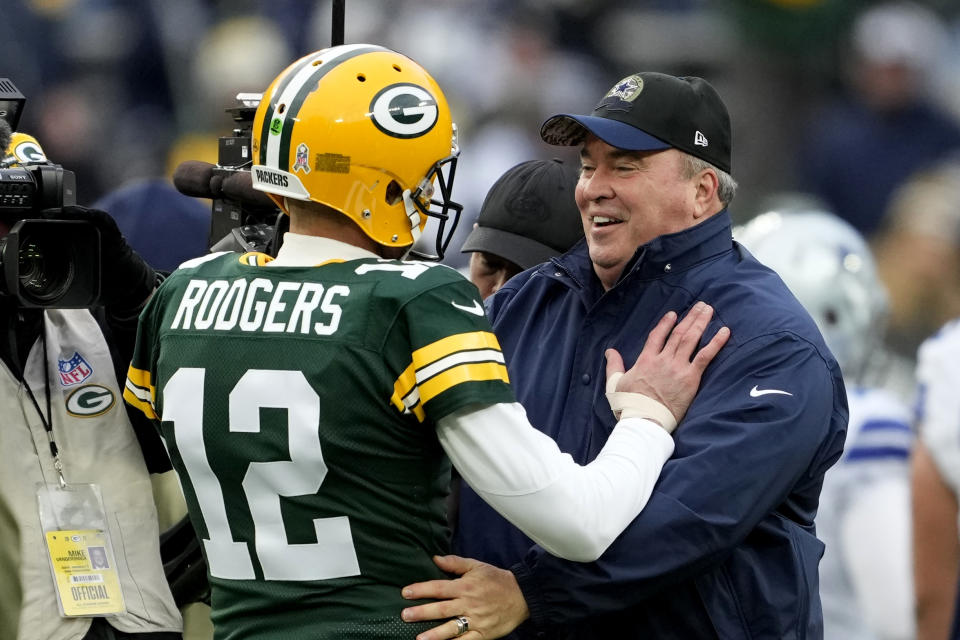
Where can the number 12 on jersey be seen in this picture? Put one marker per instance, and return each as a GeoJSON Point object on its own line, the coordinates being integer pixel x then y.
{"type": "Point", "coordinates": [333, 555]}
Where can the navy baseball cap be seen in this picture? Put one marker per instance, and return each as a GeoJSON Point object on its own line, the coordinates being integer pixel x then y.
{"type": "Point", "coordinates": [649, 111]}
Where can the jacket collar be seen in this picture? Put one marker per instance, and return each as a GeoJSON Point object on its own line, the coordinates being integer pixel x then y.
{"type": "Point", "coordinates": [666, 254]}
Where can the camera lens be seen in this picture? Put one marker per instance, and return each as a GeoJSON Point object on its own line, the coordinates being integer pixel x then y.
{"type": "Point", "coordinates": [46, 268]}
{"type": "Point", "coordinates": [51, 264]}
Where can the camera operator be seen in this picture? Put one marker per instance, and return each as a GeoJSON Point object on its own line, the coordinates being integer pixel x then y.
{"type": "Point", "coordinates": [65, 426]}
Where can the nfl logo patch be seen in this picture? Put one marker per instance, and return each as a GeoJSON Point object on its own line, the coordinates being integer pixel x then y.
{"type": "Point", "coordinates": [303, 154]}
{"type": "Point", "coordinates": [74, 370]}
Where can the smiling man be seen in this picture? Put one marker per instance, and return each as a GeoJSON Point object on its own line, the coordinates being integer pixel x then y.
{"type": "Point", "coordinates": [726, 547]}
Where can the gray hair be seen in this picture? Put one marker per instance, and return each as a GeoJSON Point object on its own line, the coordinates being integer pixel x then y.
{"type": "Point", "coordinates": [727, 187]}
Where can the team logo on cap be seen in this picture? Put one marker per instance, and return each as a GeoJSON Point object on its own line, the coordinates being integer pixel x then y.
{"type": "Point", "coordinates": [404, 111]}
{"type": "Point", "coordinates": [627, 89]}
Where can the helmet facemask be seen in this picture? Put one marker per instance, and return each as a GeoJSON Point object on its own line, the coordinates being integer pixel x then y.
{"type": "Point", "coordinates": [444, 210]}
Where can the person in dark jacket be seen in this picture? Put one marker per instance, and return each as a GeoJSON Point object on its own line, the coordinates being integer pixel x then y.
{"type": "Point", "coordinates": [528, 216]}
{"type": "Point", "coordinates": [727, 546]}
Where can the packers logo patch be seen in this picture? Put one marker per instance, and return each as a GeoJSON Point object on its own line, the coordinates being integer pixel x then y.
{"type": "Point", "coordinates": [627, 89]}
{"type": "Point", "coordinates": [90, 400]}
{"type": "Point", "coordinates": [404, 110]}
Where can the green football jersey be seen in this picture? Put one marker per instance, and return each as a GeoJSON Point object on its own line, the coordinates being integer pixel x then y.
{"type": "Point", "coordinates": [299, 406]}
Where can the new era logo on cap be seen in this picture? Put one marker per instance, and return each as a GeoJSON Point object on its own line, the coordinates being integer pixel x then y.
{"type": "Point", "coordinates": [649, 111]}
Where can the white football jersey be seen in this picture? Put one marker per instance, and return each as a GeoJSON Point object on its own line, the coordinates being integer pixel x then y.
{"type": "Point", "coordinates": [864, 521]}
{"type": "Point", "coordinates": [938, 400]}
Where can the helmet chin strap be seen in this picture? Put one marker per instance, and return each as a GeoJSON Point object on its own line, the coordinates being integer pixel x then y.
{"type": "Point", "coordinates": [414, 215]}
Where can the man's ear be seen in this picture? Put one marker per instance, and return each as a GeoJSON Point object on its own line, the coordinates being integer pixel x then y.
{"type": "Point", "coordinates": [706, 201]}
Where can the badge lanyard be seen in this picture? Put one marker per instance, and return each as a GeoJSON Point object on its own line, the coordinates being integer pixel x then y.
{"type": "Point", "coordinates": [46, 420]}
{"type": "Point", "coordinates": [74, 522]}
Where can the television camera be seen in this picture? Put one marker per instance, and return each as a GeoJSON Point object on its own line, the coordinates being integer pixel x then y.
{"type": "Point", "coordinates": [242, 218]}
{"type": "Point", "coordinates": [44, 262]}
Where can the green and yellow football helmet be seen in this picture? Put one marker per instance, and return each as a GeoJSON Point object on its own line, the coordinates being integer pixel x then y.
{"type": "Point", "coordinates": [366, 131]}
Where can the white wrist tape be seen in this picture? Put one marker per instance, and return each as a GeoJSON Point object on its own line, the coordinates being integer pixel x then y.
{"type": "Point", "coordinates": [637, 405]}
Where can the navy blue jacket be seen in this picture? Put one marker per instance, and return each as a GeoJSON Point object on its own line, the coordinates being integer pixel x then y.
{"type": "Point", "coordinates": [726, 546]}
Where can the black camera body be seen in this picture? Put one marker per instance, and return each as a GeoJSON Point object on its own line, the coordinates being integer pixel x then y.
{"type": "Point", "coordinates": [233, 154]}
{"type": "Point", "coordinates": [242, 223]}
{"type": "Point", "coordinates": [44, 262]}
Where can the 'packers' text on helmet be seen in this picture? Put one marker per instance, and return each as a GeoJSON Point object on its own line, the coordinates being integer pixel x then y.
{"type": "Point", "coordinates": [828, 266]}
{"type": "Point", "coordinates": [363, 130]}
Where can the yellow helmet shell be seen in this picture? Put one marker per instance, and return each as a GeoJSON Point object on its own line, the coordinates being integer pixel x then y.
{"type": "Point", "coordinates": [352, 127]}
{"type": "Point", "coordinates": [24, 150]}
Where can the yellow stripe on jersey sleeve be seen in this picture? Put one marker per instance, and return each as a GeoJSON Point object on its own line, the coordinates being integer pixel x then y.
{"type": "Point", "coordinates": [468, 372]}
{"type": "Point", "coordinates": [441, 365]}
{"type": "Point", "coordinates": [425, 356]}
{"type": "Point", "coordinates": [405, 395]}
{"type": "Point", "coordinates": [139, 391]}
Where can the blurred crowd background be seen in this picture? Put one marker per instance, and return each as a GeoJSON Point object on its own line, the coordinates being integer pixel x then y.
{"type": "Point", "coordinates": [851, 105]}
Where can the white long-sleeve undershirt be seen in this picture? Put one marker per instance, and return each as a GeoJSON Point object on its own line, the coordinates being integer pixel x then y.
{"type": "Point", "coordinates": [573, 511]}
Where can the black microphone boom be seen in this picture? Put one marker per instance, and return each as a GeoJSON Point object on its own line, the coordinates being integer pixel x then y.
{"type": "Point", "coordinates": [192, 178]}
{"type": "Point", "coordinates": [238, 185]}
{"type": "Point", "coordinates": [204, 180]}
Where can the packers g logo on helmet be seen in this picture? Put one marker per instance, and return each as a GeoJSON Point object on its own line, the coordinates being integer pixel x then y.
{"type": "Point", "coordinates": [404, 110]}
{"type": "Point", "coordinates": [23, 149]}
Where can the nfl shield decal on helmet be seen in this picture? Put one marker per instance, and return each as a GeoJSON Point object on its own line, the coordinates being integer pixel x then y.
{"type": "Point", "coordinates": [302, 160]}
